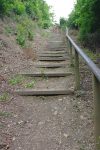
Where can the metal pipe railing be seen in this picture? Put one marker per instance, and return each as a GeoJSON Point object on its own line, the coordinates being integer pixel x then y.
{"type": "Point", "coordinates": [96, 81]}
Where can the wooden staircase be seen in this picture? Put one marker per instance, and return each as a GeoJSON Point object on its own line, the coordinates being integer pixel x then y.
{"type": "Point", "coordinates": [55, 62]}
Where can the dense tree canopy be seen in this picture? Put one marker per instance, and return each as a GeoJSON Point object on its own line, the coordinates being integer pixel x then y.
{"type": "Point", "coordinates": [86, 17]}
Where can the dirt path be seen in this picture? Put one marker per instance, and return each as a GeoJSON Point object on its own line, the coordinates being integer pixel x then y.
{"type": "Point", "coordinates": [47, 122]}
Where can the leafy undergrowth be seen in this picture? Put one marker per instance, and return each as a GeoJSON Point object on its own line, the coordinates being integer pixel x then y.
{"type": "Point", "coordinates": [89, 52]}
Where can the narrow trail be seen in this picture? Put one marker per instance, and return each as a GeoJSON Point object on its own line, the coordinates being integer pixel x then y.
{"type": "Point", "coordinates": [51, 120]}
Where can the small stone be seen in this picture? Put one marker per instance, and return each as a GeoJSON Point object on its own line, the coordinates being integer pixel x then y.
{"type": "Point", "coordinates": [9, 125]}
{"type": "Point", "coordinates": [15, 116]}
{"type": "Point", "coordinates": [60, 100]}
{"type": "Point", "coordinates": [20, 122]}
{"type": "Point", "coordinates": [13, 139]}
{"type": "Point", "coordinates": [65, 108]}
{"type": "Point", "coordinates": [55, 113]}
{"type": "Point", "coordinates": [65, 135]}
{"type": "Point", "coordinates": [40, 123]}
{"type": "Point", "coordinates": [82, 117]}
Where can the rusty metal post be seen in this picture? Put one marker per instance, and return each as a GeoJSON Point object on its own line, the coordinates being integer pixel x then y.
{"type": "Point", "coordinates": [77, 74]}
{"type": "Point", "coordinates": [96, 89]}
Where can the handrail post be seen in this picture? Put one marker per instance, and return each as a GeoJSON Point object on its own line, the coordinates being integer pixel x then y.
{"type": "Point", "coordinates": [96, 89]}
{"type": "Point", "coordinates": [71, 55]}
{"type": "Point", "coordinates": [77, 74]}
{"type": "Point", "coordinates": [70, 52]}
{"type": "Point", "coordinates": [68, 46]}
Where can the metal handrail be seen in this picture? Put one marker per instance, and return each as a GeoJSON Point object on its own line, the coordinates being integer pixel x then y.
{"type": "Point", "coordinates": [95, 70]}
{"type": "Point", "coordinates": [96, 81]}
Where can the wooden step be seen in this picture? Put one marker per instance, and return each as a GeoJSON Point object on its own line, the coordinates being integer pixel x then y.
{"type": "Point", "coordinates": [57, 48]}
{"type": "Point", "coordinates": [44, 92]}
{"type": "Point", "coordinates": [52, 55]}
{"type": "Point", "coordinates": [51, 65]}
{"type": "Point", "coordinates": [53, 52]}
{"type": "Point", "coordinates": [52, 58]}
{"type": "Point", "coordinates": [55, 42]}
{"type": "Point", "coordinates": [47, 74]}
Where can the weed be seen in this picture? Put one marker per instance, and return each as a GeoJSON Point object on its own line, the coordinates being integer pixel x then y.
{"type": "Point", "coordinates": [9, 30]}
{"type": "Point", "coordinates": [16, 80]}
{"type": "Point", "coordinates": [42, 73]}
{"type": "Point", "coordinates": [31, 84]}
{"type": "Point", "coordinates": [5, 114]}
{"type": "Point", "coordinates": [21, 35]}
{"type": "Point", "coordinates": [45, 77]}
{"type": "Point", "coordinates": [30, 35]}
{"type": "Point", "coordinates": [4, 97]}
{"type": "Point", "coordinates": [72, 65]}
{"type": "Point", "coordinates": [91, 54]}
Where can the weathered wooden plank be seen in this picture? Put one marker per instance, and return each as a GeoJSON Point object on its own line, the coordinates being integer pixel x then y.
{"type": "Point", "coordinates": [55, 41]}
{"type": "Point", "coordinates": [47, 74]}
{"type": "Point", "coordinates": [44, 92]}
{"type": "Point", "coordinates": [52, 58]}
{"type": "Point", "coordinates": [51, 65]}
{"type": "Point", "coordinates": [53, 52]}
{"type": "Point", "coordinates": [57, 47]}
{"type": "Point", "coordinates": [52, 55]}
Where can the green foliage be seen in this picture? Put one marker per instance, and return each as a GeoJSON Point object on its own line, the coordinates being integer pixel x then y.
{"type": "Point", "coordinates": [5, 6]}
{"type": "Point", "coordinates": [4, 97]}
{"type": "Point", "coordinates": [30, 84]}
{"type": "Point", "coordinates": [35, 9]}
{"type": "Point", "coordinates": [90, 54]}
{"type": "Point", "coordinates": [63, 23]}
{"type": "Point", "coordinates": [24, 12]}
{"type": "Point", "coordinates": [18, 7]}
{"type": "Point", "coordinates": [16, 80]}
{"type": "Point", "coordinates": [72, 21]}
{"type": "Point", "coordinates": [21, 35]}
{"type": "Point", "coordinates": [85, 17]}
{"type": "Point", "coordinates": [5, 114]}
{"type": "Point", "coordinates": [24, 30]}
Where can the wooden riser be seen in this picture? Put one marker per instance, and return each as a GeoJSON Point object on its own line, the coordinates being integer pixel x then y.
{"type": "Point", "coordinates": [57, 48]}
{"type": "Point", "coordinates": [46, 74]}
{"type": "Point", "coordinates": [44, 92]}
{"type": "Point", "coordinates": [52, 55]}
{"type": "Point", "coordinates": [52, 59]}
{"type": "Point", "coordinates": [53, 52]}
{"type": "Point", "coordinates": [51, 66]}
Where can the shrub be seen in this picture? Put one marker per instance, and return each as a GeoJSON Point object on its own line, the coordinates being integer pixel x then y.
{"type": "Point", "coordinates": [21, 35]}
{"type": "Point", "coordinates": [24, 30]}
{"type": "Point", "coordinates": [18, 7]}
